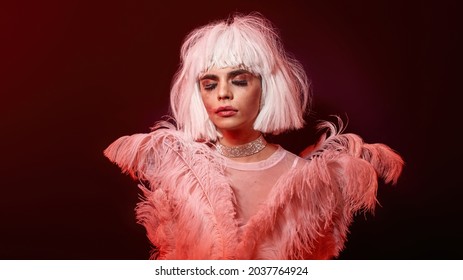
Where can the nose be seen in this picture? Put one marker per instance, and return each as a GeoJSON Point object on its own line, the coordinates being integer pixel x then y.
{"type": "Point", "coordinates": [224, 92]}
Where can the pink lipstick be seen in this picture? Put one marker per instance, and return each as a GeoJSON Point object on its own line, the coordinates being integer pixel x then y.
{"type": "Point", "coordinates": [226, 111]}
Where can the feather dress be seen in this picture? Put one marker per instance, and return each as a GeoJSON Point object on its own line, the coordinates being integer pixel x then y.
{"type": "Point", "coordinates": [197, 204]}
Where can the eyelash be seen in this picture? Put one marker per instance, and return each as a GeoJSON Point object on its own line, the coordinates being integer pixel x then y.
{"type": "Point", "coordinates": [240, 83]}
{"type": "Point", "coordinates": [210, 87]}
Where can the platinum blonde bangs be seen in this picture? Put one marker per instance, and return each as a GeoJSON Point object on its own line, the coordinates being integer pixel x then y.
{"type": "Point", "coordinates": [249, 42]}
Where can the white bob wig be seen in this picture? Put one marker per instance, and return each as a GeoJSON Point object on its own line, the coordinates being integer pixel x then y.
{"type": "Point", "coordinates": [250, 42]}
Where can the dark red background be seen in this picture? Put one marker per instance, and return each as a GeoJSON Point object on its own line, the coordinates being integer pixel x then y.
{"type": "Point", "coordinates": [75, 75]}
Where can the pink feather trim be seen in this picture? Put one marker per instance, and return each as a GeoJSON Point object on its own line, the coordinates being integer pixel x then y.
{"type": "Point", "coordinates": [188, 206]}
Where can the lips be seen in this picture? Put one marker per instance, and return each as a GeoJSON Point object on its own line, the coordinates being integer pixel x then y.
{"type": "Point", "coordinates": [226, 111]}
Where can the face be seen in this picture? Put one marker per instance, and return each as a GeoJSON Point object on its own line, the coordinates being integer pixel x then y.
{"type": "Point", "coordinates": [231, 97]}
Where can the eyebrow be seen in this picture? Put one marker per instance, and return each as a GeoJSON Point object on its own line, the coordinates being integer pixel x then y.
{"type": "Point", "coordinates": [230, 74]}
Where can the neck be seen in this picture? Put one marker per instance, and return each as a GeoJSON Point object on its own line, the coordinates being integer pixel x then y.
{"type": "Point", "coordinates": [232, 138]}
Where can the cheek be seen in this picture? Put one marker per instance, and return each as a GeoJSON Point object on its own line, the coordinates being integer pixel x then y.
{"type": "Point", "coordinates": [255, 101]}
{"type": "Point", "coordinates": [207, 104]}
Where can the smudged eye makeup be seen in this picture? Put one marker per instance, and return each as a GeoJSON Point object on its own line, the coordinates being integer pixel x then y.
{"type": "Point", "coordinates": [238, 78]}
{"type": "Point", "coordinates": [241, 80]}
{"type": "Point", "coordinates": [209, 86]}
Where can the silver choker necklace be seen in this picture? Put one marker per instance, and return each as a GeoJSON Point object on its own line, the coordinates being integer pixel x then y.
{"type": "Point", "coordinates": [244, 150]}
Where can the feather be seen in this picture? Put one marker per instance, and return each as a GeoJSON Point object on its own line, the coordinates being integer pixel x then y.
{"type": "Point", "coordinates": [187, 188]}
{"type": "Point", "coordinates": [188, 206]}
{"type": "Point", "coordinates": [386, 162]}
{"type": "Point", "coordinates": [311, 207]}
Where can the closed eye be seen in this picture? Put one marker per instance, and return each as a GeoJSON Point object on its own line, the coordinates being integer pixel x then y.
{"type": "Point", "coordinates": [241, 83]}
{"type": "Point", "coordinates": [210, 86]}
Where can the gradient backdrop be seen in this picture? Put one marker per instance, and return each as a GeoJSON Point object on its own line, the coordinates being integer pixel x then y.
{"type": "Point", "coordinates": [75, 75]}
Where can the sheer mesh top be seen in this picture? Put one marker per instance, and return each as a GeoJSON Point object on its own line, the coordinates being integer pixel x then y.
{"type": "Point", "coordinates": [252, 182]}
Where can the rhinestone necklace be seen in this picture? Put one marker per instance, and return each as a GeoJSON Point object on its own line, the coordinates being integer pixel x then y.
{"type": "Point", "coordinates": [244, 150]}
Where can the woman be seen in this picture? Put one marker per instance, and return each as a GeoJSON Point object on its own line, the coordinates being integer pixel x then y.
{"type": "Point", "coordinates": [215, 189]}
